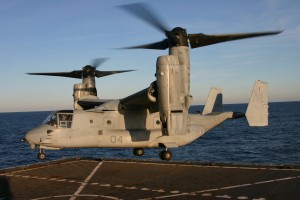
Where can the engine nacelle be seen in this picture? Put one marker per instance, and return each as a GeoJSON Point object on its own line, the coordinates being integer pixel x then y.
{"type": "Point", "coordinates": [171, 95]}
{"type": "Point", "coordinates": [81, 90]}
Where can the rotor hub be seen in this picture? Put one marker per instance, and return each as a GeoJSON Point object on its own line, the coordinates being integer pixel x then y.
{"type": "Point", "coordinates": [88, 71]}
{"type": "Point", "coordinates": [177, 37]}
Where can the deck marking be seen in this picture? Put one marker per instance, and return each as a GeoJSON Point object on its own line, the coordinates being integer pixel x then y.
{"type": "Point", "coordinates": [242, 197]}
{"type": "Point", "coordinates": [131, 188]}
{"type": "Point", "coordinates": [27, 167]}
{"type": "Point", "coordinates": [85, 181]}
{"type": "Point", "coordinates": [228, 187]}
{"type": "Point", "coordinates": [235, 186]}
{"type": "Point", "coordinates": [270, 168]}
{"type": "Point", "coordinates": [105, 185]}
{"type": "Point", "coordinates": [118, 186]}
{"type": "Point", "coordinates": [224, 196]}
{"type": "Point", "coordinates": [174, 195]}
{"type": "Point", "coordinates": [80, 195]}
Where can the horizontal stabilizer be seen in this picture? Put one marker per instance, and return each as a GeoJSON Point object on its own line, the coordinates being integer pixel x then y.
{"type": "Point", "coordinates": [214, 101]}
{"type": "Point", "coordinates": [257, 111]}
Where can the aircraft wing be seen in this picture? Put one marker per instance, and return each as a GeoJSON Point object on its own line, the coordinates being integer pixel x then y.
{"type": "Point", "coordinates": [89, 103]}
{"type": "Point", "coordinates": [139, 100]}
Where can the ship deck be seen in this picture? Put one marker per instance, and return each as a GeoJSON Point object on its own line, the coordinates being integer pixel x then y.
{"type": "Point", "coordinates": [83, 178]}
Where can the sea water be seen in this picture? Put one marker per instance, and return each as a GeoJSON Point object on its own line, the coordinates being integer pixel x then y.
{"type": "Point", "coordinates": [231, 142]}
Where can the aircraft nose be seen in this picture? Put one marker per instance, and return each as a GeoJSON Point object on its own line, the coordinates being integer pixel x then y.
{"type": "Point", "coordinates": [30, 137]}
{"type": "Point", "coordinates": [33, 136]}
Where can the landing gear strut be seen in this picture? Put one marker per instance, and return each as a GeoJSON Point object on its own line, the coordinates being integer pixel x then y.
{"type": "Point", "coordinates": [138, 151]}
{"type": "Point", "coordinates": [165, 155]}
{"type": "Point", "coordinates": [41, 155]}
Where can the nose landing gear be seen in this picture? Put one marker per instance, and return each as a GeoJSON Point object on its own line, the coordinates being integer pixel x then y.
{"type": "Point", "coordinates": [41, 155]}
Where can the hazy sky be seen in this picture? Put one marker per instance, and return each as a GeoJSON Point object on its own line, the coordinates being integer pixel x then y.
{"type": "Point", "coordinates": [65, 35]}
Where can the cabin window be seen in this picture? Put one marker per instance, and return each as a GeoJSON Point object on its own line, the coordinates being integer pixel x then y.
{"type": "Point", "coordinates": [65, 120]}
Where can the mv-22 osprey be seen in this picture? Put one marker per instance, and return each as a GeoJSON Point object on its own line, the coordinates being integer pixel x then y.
{"type": "Point", "coordinates": [151, 118]}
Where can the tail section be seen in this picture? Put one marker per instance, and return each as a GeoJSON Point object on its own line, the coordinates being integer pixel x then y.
{"type": "Point", "coordinates": [257, 111]}
{"type": "Point", "coordinates": [214, 101]}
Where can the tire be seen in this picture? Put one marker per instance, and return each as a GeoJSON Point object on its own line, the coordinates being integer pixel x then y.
{"type": "Point", "coordinates": [138, 151]}
{"type": "Point", "coordinates": [165, 155]}
{"type": "Point", "coordinates": [41, 156]}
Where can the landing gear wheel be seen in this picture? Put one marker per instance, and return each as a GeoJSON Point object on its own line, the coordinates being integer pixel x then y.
{"type": "Point", "coordinates": [41, 156]}
{"type": "Point", "coordinates": [165, 155]}
{"type": "Point", "coordinates": [138, 151]}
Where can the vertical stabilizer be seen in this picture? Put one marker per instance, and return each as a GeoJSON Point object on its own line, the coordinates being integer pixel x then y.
{"type": "Point", "coordinates": [257, 111]}
{"type": "Point", "coordinates": [214, 101]}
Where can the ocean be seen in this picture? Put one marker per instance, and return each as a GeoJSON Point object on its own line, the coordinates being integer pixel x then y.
{"type": "Point", "coordinates": [231, 142]}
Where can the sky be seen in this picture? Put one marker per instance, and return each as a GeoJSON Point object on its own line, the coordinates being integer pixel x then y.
{"type": "Point", "coordinates": [65, 35]}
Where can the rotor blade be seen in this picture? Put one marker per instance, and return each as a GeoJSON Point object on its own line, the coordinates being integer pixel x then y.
{"type": "Point", "coordinates": [200, 40]}
{"type": "Point", "coordinates": [99, 74]}
{"type": "Point", "coordinates": [162, 45]}
{"type": "Point", "coordinates": [98, 61]}
{"type": "Point", "coordinates": [143, 11]}
{"type": "Point", "coordinates": [73, 74]}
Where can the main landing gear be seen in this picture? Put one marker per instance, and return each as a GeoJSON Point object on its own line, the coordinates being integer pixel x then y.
{"type": "Point", "coordinates": [41, 154]}
{"type": "Point", "coordinates": [164, 155]}
{"type": "Point", "coordinates": [138, 152]}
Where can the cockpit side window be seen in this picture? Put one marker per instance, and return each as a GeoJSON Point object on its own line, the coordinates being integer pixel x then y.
{"type": "Point", "coordinates": [51, 120]}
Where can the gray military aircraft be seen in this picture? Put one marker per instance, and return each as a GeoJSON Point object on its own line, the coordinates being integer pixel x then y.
{"type": "Point", "coordinates": [154, 117]}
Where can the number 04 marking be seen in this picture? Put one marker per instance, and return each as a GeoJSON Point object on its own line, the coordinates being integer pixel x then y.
{"type": "Point", "coordinates": [115, 139]}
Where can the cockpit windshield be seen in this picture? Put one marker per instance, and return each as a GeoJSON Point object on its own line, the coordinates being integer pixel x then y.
{"type": "Point", "coordinates": [61, 118]}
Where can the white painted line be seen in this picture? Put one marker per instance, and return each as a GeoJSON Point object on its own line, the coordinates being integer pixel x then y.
{"type": "Point", "coordinates": [275, 180]}
{"type": "Point", "coordinates": [85, 182]}
{"type": "Point", "coordinates": [172, 195]}
{"type": "Point", "coordinates": [235, 186]}
{"type": "Point", "coordinates": [242, 197]}
{"type": "Point", "coordinates": [248, 184]}
{"type": "Point", "coordinates": [228, 187]}
{"type": "Point", "coordinates": [27, 167]}
{"type": "Point", "coordinates": [118, 186]}
{"type": "Point", "coordinates": [270, 168]}
{"type": "Point", "coordinates": [105, 185]}
{"type": "Point", "coordinates": [224, 196]}
{"type": "Point", "coordinates": [131, 188]}
{"type": "Point", "coordinates": [80, 195]}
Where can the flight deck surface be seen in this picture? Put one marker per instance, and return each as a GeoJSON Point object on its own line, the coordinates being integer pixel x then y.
{"type": "Point", "coordinates": [131, 179]}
